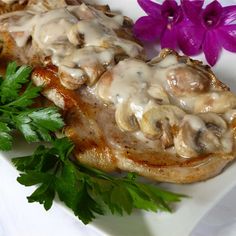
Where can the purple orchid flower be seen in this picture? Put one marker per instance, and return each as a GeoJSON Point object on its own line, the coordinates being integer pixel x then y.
{"type": "Point", "coordinates": [161, 22]}
{"type": "Point", "coordinates": [207, 29]}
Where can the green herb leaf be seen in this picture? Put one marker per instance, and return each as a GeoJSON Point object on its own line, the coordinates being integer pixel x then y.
{"type": "Point", "coordinates": [36, 125]}
{"type": "Point", "coordinates": [27, 98]}
{"type": "Point", "coordinates": [5, 137]}
{"type": "Point", "coordinates": [45, 193]}
{"type": "Point", "coordinates": [15, 111]}
{"type": "Point", "coordinates": [13, 81]}
{"type": "Point", "coordinates": [87, 191]}
{"type": "Point", "coordinates": [47, 118]}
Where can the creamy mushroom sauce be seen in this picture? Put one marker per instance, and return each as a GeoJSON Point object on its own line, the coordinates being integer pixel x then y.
{"type": "Point", "coordinates": [150, 99]}
{"type": "Point", "coordinates": [73, 36]}
{"type": "Point", "coordinates": [130, 83]}
{"type": "Point", "coordinates": [133, 80]}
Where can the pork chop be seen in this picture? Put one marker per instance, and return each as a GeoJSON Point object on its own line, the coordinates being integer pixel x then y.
{"type": "Point", "coordinates": [169, 119]}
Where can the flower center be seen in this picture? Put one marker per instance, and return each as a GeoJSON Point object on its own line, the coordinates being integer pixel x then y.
{"type": "Point", "coordinates": [212, 15]}
{"type": "Point", "coordinates": [170, 14]}
{"type": "Point", "coordinates": [211, 21]}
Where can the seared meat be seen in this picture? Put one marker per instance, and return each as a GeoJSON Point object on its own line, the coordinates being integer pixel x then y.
{"type": "Point", "coordinates": [195, 153]}
{"type": "Point", "coordinates": [168, 119]}
{"type": "Point", "coordinates": [11, 5]}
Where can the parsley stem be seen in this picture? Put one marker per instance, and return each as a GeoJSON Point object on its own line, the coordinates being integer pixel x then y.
{"type": "Point", "coordinates": [2, 109]}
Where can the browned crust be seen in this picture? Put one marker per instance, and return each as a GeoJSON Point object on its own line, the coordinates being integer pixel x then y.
{"type": "Point", "coordinates": [5, 8]}
{"type": "Point", "coordinates": [194, 172]}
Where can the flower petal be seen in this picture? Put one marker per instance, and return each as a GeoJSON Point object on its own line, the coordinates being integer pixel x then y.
{"type": "Point", "coordinates": [169, 39]}
{"type": "Point", "coordinates": [151, 8]}
{"type": "Point", "coordinates": [192, 9]}
{"type": "Point", "coordinates": [227, 37]}
{"type": "Point", "coordinates": [211, 47]}
{"type": "Point", "coordinates": [147, 28]}
{"type": "Point", "coordinates": [171, 9]}
{"type": "Point", "coordinates": [190, 38]}
{"type": "Point", "coordinates": [169, 5]}
{"type": "Point", "coordinates": [229, 14]}
{"type": "Point", "coordinates": [212, 13]}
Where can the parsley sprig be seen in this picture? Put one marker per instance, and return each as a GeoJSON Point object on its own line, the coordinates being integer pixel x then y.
{"type": "Point", "coordinates": [36, 124]}
{"type": "Point", "coordinates": [85, 190]}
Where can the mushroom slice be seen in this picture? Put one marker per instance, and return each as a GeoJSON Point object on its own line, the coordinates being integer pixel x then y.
{"type": "Point", "coordinates": [187, 79]}
{"type": "Point", "coordinates": [218, 126]}
{"type": "Point", "coordinates": [125, 117]}
{"type": "Point", "coordinates": [230, 115]}
{"type": "Point", "coordinates": [85, 65]}
{"type": "Point", "coordinates": [158, 120]}
{"type": "Point", "coordinates": [167, 137]}
{"type": "Point", "coordinates": [156, 91]}
{"type": "Point", "coordinates": [218, 102]}
{"type": "Point", "coordinates": [75, 37]}
{"type": "Point", "coordinates": [178, 113]}
{"type": "Point", "coordinates": [103, 86]}
{"type": "Point", "coordinates": [184, 142]}
{"type": "Point", "coordinates": [217, 137]}
{"type": "Point", "coordinates": [152, 122]}
{"type": "Point", "coordinates": [203, 134]}
{"type": "Point", "coordinates": [72, 78]}
{"type": "Point", "coordinates": [214, 123]}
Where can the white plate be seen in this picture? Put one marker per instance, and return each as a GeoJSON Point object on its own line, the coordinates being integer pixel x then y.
{"type": "Point", "coordinates": [17, 217]}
